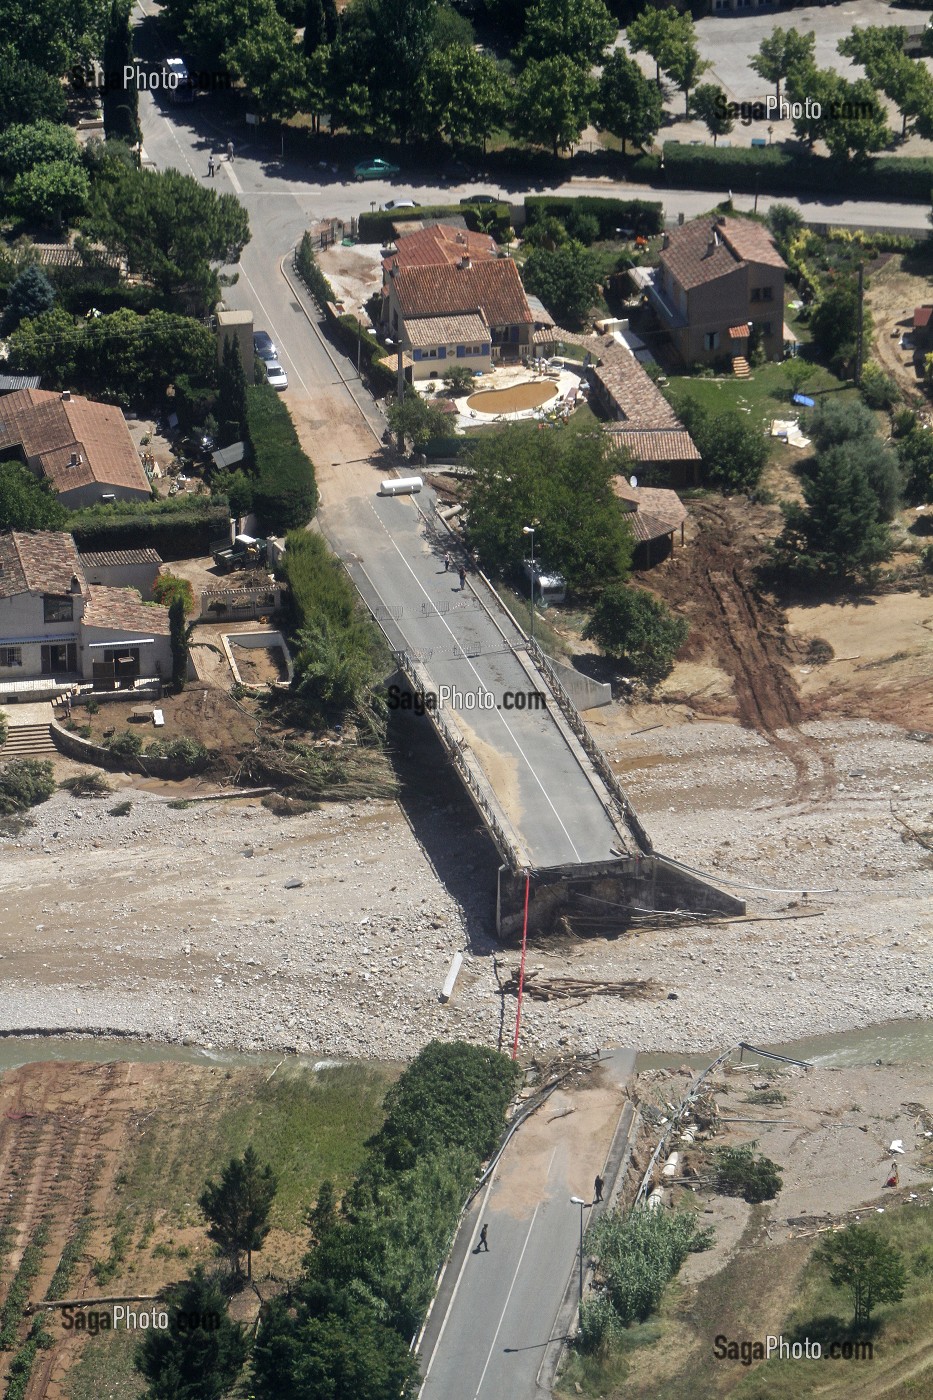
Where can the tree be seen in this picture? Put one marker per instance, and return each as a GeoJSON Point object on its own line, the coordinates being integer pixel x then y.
{"type": "Point", "coordinates": [237, 1207]}
{"type": "Point", "coordinates": [51, 36]}
{"type": "Point", "coordinates": [48, 345]}
{"type": "Point", "coordinates": [179, 637]}
{"type": "Point", "coordinates": [684, 64]}
{"type": "Point", "coordinates": [558, 479]}
{"type": "Point", "coordinates": [870, 1269]}
{"type": "Point", "coordinates": [627, 103]}
{"type": "Point", "coordinates": [416, 420]}
{"type": "Point", "coordinates": [379, 57]}
{"type": "Point", "coordinates": [581, 30]}
{"type": "Point", "coordinates": [170, 228]}
{"type": "Point", "coordinates": [784, 221]}
{"type": "Point", "coordinates": [817, 91]}
{"type": "Point", "coordinates": [709, 104]}
{"type": "Point", "coordinates": [466, 95]}
{"type": "Point", "coordinates": [51, 194]}
{"type": "Point", "coordinates": [271, 65]}
{"type": "Point", "coordinates": [878, 389]}
{"type": "Point", "coordinates": [320, 25]}
{"type": "Point", "coordinates": [458, 379]}
{"type": "Point", "coordinates": [552, 99]}
{"type": "Point", "coordinates": [231, 394]}
{"type": "Point", "coordinates": [739, 1172]}
{"type": "Point", "coordinates": [915, 454]}
{"type": "Point", "coordinates": [30, 295]}
{"type": "Point", "coordinates": [656, 33]}
{"type": "Point", "coordinates": [193, 1362]}
{"type": "Point", "coordinates": [238, 489]}
{"type": "Point", "coordinates": [27, 94]}
{"type": "Point", "coordinates": [796, 371]}
{"type": "Point", "coordinates": [835, 322]}
{"type": "Point", "coordinates": [24, 146]}
{"type": "Point", "coordinates": [837, 536]}
{"type": "Point", "coordinates": [333, 663]}
{"type": "Point", "coordinates": [635, 627]}
{"type": "Point", "coordinates": [565, 280]}
{"type": "Point", "coordinates": [779, 52]}
{"type": "Point", "coordinates": [734, 452]}
{"type": "Point", "coordinates": [858, 123]}
{"type": "Point", "coordinates": [120, 103]}
{"type": "Point", "coordinates": [28, 502]}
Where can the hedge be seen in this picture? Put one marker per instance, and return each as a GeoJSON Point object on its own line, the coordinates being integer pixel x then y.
{"type": "Point", "coordinates": [177, 528]}
{"type": "Point", "coordinates": [285, 492]}
{"type": "Point", "coordinates": [640, 215]}
{"type": "Point", "coordinates": [377, 227]}
{"type": "Point", "coordinates": [312, 276]}
{"type": "Point", "coordinates": [772, 169]}
{"type": "Point", "coordinates": [318, 585]}
{"type": "Point", "coordinates": [346, 332]}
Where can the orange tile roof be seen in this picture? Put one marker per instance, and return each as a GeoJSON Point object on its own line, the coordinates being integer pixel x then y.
{"type": "Point", "coordinates": [493, 288]}
{"type": "Point", "coordinates": [123, 610]}
{"type": "Point", "coordinates": [704, 250]}
{"type": "Point", "coordinates": [440, 244]}
{"type": "Point", "coordinates": [53, 431]}
{"type": "Point", "coordinates": [646, 445]}
{"type": "Point", "coordinates": [739, 332]}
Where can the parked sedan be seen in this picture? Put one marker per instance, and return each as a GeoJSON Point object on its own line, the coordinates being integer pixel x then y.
{"type": "Point", "coordinates": [479, 199]}
{"type": "Point", "coordinates": [375, 169]}
{"type": "Point", "coordinates": [276, 375]}
{"type": "Point", "coordinates": [402, 204]}
{"type": "Point", "coordinates": [264, 346]}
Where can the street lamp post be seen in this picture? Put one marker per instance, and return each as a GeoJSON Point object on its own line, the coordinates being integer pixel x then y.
{"type": "Point", "coordinates": [530, 530]}
{"type": "Point", "coordinates": [584, 1205]}
{"type": "Point", "coordinates": [399, 388]}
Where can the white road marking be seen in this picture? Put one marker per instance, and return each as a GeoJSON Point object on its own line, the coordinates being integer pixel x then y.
{"type": "Point", "coordinates": [228, 166]}
{"type": "Point", "coordinates": [508, 1297]}
{"type": "Point", "coordinates": [484, 687]}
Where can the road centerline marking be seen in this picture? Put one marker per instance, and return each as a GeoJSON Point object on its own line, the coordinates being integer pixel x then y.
{"type": "Point", "coordinates": [508, 1298]}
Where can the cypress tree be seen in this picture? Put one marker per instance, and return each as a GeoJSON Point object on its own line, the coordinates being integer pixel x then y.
{"type": "Point", "coordinates": [120, 103]}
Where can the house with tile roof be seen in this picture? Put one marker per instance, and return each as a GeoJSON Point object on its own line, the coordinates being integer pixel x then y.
{"type": "Point", "coordinates": [83, 449]}
{"type": "Point", "coordinates": [717, 280]}
{"type": "Point", "coordinates": [455, 302]}
{"type": "Point", "coordinates": [58, 628]}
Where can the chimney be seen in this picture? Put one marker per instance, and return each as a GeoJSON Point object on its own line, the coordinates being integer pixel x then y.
{"type": "Point", "coordinates": [74, 460]}
{"type": "Point", "coordinates": [75, 584]}
{"type": "Point", "coordinates": [713, 243]}
{"type": "Point", "coordinates": [665, 241]}
{"type": "Point", "coordinates": [66, 396]}
{"type": "Point", "coordinates": [465, 261]}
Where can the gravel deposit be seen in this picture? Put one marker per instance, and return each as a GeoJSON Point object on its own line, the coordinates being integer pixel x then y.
{"type": "Point", "coordinates": [331, 933]}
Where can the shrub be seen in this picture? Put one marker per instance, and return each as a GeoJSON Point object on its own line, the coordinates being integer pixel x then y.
{"type": "Point", "coordinates": [125, 744]}
{"type": "Point", "coordinates": [377, 227]}
{"type": "Point", "coordinates": [168, 587]}
{"type": "Point", "coordinates": [286, 491]}
{"type": "Point", "coordinates": [24, 783]}
{"type": "Point", "coordinates": [120, 809]}
{"type": "Point", "coordinates": [776, 171]}
{"type": "Point", "coordinates": [878, 389]}
{"type": "Point", "coordinates": [87, 785]}
{"type": "Point", "coordinates": [311, 274]}
{"type": "Point", "coordinates": [184, 751]}
{"type": "Point", "coordinates": [734, 452]}
{"type": "Point", "coordinates": [642, 216]}
{"type": "Point", "coordinates": [178, 528]}
{"type": "Point", "coordinates": [740, 1173]}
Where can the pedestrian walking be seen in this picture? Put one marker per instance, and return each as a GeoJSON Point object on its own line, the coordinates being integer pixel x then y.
{"type": "Point", "coordinates": [598, 1185]}
{"type": "Point", "coordinates": [446, 562]}
{"type": "Point", "coordinates": [230, 152]}
{"type": "Point", "coordinates": [483, 1242]}
{"type": "Point", "coordinates": [210, 167]}
{"type": "Point", "coordinates": [462, 578]}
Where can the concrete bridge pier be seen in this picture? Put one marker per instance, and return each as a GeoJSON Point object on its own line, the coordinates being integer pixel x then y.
{"type": "Point", "coordinates": [613, 888]}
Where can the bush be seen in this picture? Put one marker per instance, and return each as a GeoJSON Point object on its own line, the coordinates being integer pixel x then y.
{"type": "Point", "coordinates": [125, 744]}
{"type": "Point", "coordinates": [168, 587]}
{"type": "Point", "coordinates": [186, 752]}
{"type": "Point", "coordinates": [640, 215]}
{"type": "Point", "coordinates": [638, 1254]}
{"type": "Point", "coordinates": [286, 491]}
{"type": "Point", "coordinates": [734, 452]}
{"type": "Point", "coordinates": [120, 809]}
{"type": "Point", "coordinates": [740, 1173]}
{"type": "Point", "coordinates": [776, 171]}
{"type": "Point", "coordinates": [87, 785]}
{"type": "Point", "coordinates": [352, 336]}
{"type": "Point", "coordinates": [376, 227]}
{"type": "Point", "coordinates": [177, 528]}
{"type": "Point", "coordinates": [878, 389]}
{"type": "Point", "coordinates": [639, 629]}
{"type": "Point", "coordinates": [311, 274]}
{"type": "Point", "coordinates": [24, 783]}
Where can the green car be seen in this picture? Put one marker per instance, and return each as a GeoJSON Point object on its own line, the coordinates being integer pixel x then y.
{"type": "Point", "coordinates": [375, 169]}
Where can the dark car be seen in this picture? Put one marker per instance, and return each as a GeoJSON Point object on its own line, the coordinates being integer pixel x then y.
{"type": "Point", "coordinates": [479, 199]}
{"type": "Point", "coordinates": [264, 346]}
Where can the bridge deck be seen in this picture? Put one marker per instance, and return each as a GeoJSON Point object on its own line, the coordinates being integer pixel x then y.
{"type": "Point", "coordinates": [544, 785]}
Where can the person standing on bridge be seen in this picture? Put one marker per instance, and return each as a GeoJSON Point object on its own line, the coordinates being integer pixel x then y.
{"type": "Point", "coordinates": [598, 1185]}
{"type": "Point", "coordinates": [446, 563]}
{"type": "Point", "coordinates": [230, 152]}
{"type": "Point", "coordinates": [483, 1242]}
{"type": "Point", "coordinates": [462, 578]}
{"type": "Point", "coordinates": [210, 167]}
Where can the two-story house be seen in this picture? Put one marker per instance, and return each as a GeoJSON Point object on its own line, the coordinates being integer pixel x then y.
{"type": "Point", "coordinates": [83, 449]}
{"type": "Point", "coordinates": [58, 628]}
{"type": "Point", "coordinates": [718, 282]}
{"type": "Point", "coordinates": [461, 312]}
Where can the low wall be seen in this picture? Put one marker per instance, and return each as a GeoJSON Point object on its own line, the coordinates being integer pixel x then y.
{"type": "Point", "coordinates": [85, 751]}
{"type": "Point", "coordinates": [585, 694]}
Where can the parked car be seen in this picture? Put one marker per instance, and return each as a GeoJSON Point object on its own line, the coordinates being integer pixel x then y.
{"type": "Point", "coordinates": [479, 199]}
{"type": "Point", "coordinates": [402, 204]}
{"type": "Point", "coordinates": [375, 169]}
{"type": "Point", "coordinates": [264, 346]}
{"type": "Point", "coordinates": [276, 375]}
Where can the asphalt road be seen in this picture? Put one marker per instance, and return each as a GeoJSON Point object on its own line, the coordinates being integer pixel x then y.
{"type": "Point", "coordinates": [498, 1313]}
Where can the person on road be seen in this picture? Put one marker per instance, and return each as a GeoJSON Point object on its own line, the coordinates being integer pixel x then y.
{"type": "Point", "coordinates": [210, 167]}
{"type": "Point", "coordinates": [446, 562]}
{"type": "Point", "coordinates": [598, 1185]}
{"type": "Point", "coordinates": [462, 578]}
{"type": "Point", "coordinates": [483, 1242]}
{"type": "Point", "coordinates": [230, 152]}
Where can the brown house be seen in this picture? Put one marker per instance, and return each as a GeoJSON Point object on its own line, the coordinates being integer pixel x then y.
{"type": "Point", "coordinates": [717, 279]}
{"type": "Point", "coordinates": [83, 449]}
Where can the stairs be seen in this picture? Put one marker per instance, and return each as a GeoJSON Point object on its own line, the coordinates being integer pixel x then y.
{"type": "Point", "coordinates": [740, 367]}
{"type": "Point", "coordinates": [28, 741]}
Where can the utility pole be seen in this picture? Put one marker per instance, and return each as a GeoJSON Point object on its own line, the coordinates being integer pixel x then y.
{"type": "Point", "coordinates": [861, 320]}
{"type": "Point", "coordinates": [400, 390]}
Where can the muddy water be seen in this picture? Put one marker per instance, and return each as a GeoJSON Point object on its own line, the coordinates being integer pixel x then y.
{"type": "Point", "coordinates": [25, 1050]}
{"type": "Point", "coordinates": [895, 1043]}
